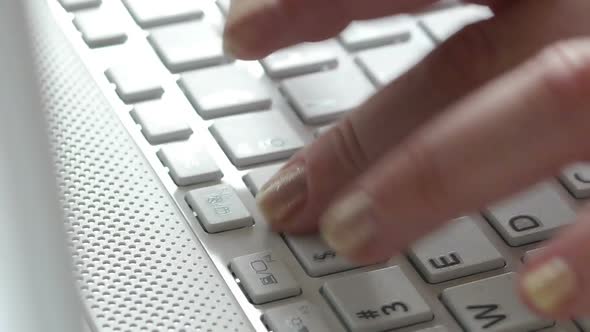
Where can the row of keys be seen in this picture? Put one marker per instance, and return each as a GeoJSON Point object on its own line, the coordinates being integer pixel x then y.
{"type": "Point", "coordinates": [383, 299]}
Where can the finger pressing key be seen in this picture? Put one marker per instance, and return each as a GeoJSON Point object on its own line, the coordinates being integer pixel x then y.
{"type": "Point", "coordinates": [556, 282]}
{"type": "Point", "coordinates": [512, 133]}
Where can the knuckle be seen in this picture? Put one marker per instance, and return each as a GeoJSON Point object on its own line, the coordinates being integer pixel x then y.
{"type": "Point", "coordinates": [566, 70]}
{"type": "Point", "coordinates": [348, 147]}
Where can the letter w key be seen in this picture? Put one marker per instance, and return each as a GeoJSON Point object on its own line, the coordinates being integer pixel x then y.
{"type": "Point", "coordinates": [488, 313]}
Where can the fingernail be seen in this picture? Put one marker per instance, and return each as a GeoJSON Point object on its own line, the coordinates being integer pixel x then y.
{"type": "Point", "coordinates": [550, 285]}
{"type": "Point", "coordinates": [348, 226]}
{"type": "Point", "coordinates": [281, 198]}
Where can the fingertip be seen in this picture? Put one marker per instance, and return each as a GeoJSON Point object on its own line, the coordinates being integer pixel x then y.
{"type": "Point", "coordinates": [251, 27]}
{"type": "Point", "coordinates": [549, 286]}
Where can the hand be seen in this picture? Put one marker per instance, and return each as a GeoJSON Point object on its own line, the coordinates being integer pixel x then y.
{"type": "Point", "coordinates": [500, 106]}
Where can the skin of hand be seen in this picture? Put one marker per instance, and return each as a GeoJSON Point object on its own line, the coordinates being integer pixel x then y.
{"type": "Point", "coordinates": [498, 107]}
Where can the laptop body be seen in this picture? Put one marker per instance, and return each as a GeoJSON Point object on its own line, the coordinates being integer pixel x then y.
{"type": "Point", "coordinates": [145, 254]}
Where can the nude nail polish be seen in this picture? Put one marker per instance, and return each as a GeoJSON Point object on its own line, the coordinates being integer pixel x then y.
{"type": "Point", "coordinates": [281, 198]}
{"type": "Point", "coordinates": [550, 285]}
{"type": "Point", "coordinates": [347, 226]}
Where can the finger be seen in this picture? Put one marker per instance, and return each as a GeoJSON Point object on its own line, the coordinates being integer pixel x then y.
{"type": "Point", "coordinates": [556, 283]}
{"type": "Point", "coordinates": [294, 203]}
{"type": "Point", "coordinates": [255, 28]}
{"type": "Point", "coordinates": [511, 134]}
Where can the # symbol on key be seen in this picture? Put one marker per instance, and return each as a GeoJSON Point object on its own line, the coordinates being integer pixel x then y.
{"type": "Point", "coordinates": [368, 314]}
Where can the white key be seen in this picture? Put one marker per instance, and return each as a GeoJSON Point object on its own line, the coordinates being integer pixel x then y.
{"type": "Point", "coordinates": [189, 164]}
{"type": "Point", "coordinates": [151, 13]}
{"type": "Point", "coordinates": [442, 24]}
{"type": "Point", "coordinates": [385, 64]}
{"type": "Point", "coordinates": [225, 90]}
{"type": "Point", "coordinates": [532, 216]}
{"type": "Point", "coordinates": [295, 317]}
{"type": "Point", "coordinates": [300, 59]}
{"type": "Point", "coordinates": [91, 23]}
{"type": "Point", "coordinates": [584, 324]}
{"type": "Point", "coordinates": [316, 257]}
{"type": "Point", "coordinates": [160, 123]}
{"type": "Point", "coordinates": [264, 277]}
{"type": "Point", "coordinates": [73, 5]}
{"type": "Point", "coordinates": [256, 138]}
{"type": "Point", "coordinates": [224, 5]}
{"type": "Point", "coordinates": [257, 178]}
{"type": "Point", "coordinates": [377, 32]}
{"type": "Point", "coordinates": [532, 253]}
{"type": "Point", "coordinates": [577, 180]}
{"type": "Point", "coordinates": [219, 208]}
{"type": "Point", "coordinates": [135, 82]}
{"type": "Point", "coordinates": [324, 97]}
{"type": "Point", "coordinates": [492, 305]}
{"type": "Point", "coordinates": [377, 300]}
{"type": "Point", "coordinates": [187, 46]}
{"type": "Point", "coordinates": [460, 249]}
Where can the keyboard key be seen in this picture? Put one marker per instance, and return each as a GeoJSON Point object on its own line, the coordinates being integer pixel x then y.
{"type": "Point", "coordinates": [259, 177]}
{"type": "Point", "coordinates": [160, 123]}
{"type": "Point", "coordinates": [459, 250]}
{"type": "Point", "coordinates": [492, 305]}
{"type": "Point", "coordinates": [300, 59]}
{"type": "Point", "coordinates": [296, 317]}
{"type": "Point", "coordinates": [532, 216]}
{"type": "Point", "coordinates": [532, 253]}
{"type": "Point", "coordinates": [224, 5]}
{"type": "Point", "coordinates": [91, 23]}
{"type": "Point", "coordinates": [135, 82]}
{"type": "Point", "coordinates": [189, 164]}
{"type": "Point", "coordinates": [264, 277]}
{"type": "Point", "coordinates": [442, 24]}
{"type": "Point", "coordinates": [377, 300]}
{"type": "Point", "coordinates": [378, 32]}
{"type": "Point", "coordinates": [323, 97]}
{"type": "Point", "coordinates": [385, 64]}
{"type": "Point", "coordinates": [316, 257]}
{"type": "Point", "coordinates": [73, 5]}
{"type": "Point", "coordinates": [187, 46]}
{"type": "Point", "coordinates": [584, 325]}
{"type": "Point", "coordinates": [219, 208]}
{"type": "Point", "coordinates": [225, 90]}
{"type": "Point", "coordinates": [151, 13]}
{"type": "Point", "coordinates": [577, 180]}
{"type": "Point", "coordinates": [256, 138]}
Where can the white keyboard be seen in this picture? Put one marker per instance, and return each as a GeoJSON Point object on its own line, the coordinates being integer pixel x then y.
{"type": "Point", "coordinates": [215, 130]}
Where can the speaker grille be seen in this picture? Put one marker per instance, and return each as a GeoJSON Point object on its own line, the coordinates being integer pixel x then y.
{"type": "Point", "coordinates": [136, 265]}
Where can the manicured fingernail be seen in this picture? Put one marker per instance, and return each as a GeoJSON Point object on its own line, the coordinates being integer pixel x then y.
{"type": "Point", "coordinates": [348, 226]}
{"type": "Point", "coordinates": [281, 198]}
{"type": "Point", "coordinates": [550, 285]}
